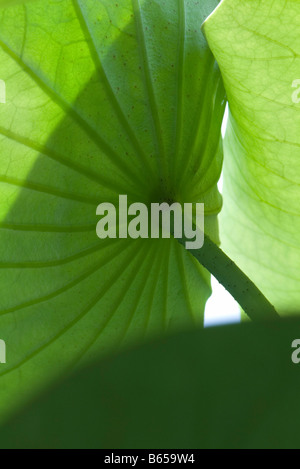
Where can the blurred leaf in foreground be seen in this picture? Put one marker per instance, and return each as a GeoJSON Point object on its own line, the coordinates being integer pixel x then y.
{"type": "Point", "coordinates": [226, 387]}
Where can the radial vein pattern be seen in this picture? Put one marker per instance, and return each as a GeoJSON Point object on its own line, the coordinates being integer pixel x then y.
{"type": "Point", "coordinates": [102, 99]}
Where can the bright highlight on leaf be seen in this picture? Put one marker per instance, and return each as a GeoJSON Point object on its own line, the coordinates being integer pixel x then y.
{"type": "Point", "coordinates": [257, 46]}
{"type": "Point", "coordinates": [102, 98]}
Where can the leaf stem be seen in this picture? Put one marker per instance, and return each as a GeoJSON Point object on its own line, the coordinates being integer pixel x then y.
{"type": "Point", "coordinates": [244, 291]}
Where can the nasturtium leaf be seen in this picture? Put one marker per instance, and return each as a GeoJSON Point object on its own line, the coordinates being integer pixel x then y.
{"type": "Point", "coordinates": [102, 98]}
{"type": "Point", "coordinates": [225, 387]}
{"type": "Point", "coordinates": [257, 46]}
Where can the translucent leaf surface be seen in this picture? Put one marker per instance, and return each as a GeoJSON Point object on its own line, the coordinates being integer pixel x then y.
{"type": "Point", "coordinates": [102, 98]}
{"type": "Point", "coordinates": [257, 46]}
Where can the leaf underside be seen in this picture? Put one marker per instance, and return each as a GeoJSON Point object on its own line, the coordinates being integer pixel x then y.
{"type": "Point", "coordinates": [102, 99]}
{"type": "Point", "coordinates": [8, 3]}
{"type": "Point", "coordinates": [257, 46]}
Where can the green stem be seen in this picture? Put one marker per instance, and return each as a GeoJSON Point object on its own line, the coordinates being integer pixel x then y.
{"type": "Point", "coordinates": [249, 297]}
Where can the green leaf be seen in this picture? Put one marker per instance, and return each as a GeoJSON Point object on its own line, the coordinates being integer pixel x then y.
{"type": "Point", "coordinates": [102, 98]}
{"type": "Point", "coordinates": [228, 387]}
{"type": "Point", "coordinates": [257, 46]}
{"type": "Point", "coordinates": [8, 3]}
{"type": "Point", "coordinates": [253, 302]}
